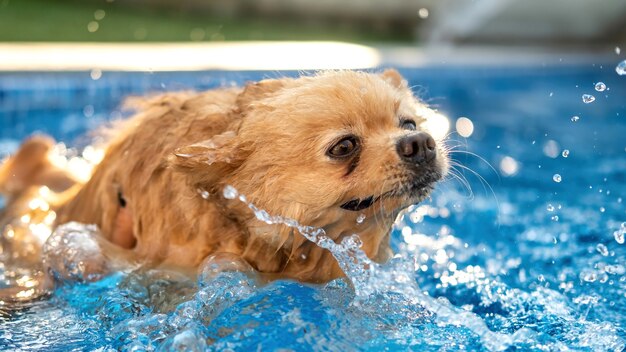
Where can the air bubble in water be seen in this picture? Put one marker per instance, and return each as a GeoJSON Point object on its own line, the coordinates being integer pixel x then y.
{"type": "Point", "coordinates": [575, 118]}
{"type": "Point", "coordinates": [556, 178]}
{"type": "Point", "coordinates": [602, 249]}
{"type": "Point", "coordinates": [588, 98]}
{"type": "Point", "coordinates": [360, 218]}
{"type": "Point", "coordinates": [621, 68]}
{"type": "Point", "coordinates": [565, 153]}
{"type": "Point", "coordinates": [600, 87]}
{"type": "Point", "coordinates": [230, 192]}
{"type": "Point", "coordinates": [550, 207]}
{"type": "Point", "coordinates": [555, 218]}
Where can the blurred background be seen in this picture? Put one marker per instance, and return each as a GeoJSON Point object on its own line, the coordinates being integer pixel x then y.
{"type": "Point", "coordinates": [421, 22]}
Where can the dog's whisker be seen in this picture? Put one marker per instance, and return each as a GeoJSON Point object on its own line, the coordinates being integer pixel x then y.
{"type": "Point", "coordinates": [462, 180]}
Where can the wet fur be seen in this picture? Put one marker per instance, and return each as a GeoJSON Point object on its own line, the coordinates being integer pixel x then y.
{"type": "Point", "coordinates": [269, 141]}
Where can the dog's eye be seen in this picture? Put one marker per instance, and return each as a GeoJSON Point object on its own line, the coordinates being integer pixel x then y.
{"type": "Point", "coordinates": [408, 125]}
{"type": "Point", "coordinates": [343, 148]}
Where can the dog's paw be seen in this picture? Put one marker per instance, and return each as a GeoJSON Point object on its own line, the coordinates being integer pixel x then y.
{"type": "Point", "coordinates": [72, 253]}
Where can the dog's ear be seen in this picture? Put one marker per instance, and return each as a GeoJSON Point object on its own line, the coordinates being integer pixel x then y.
{"type": "Point", "coordinates": [217, 156]}
{"type": "Point", "coordinates": [394, 78]}
{"type": "Point", "coordinates": [256, 91]}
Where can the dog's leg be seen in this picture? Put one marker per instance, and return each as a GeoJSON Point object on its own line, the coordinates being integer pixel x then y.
{"type": "Point", "coordinates": [30, 166]}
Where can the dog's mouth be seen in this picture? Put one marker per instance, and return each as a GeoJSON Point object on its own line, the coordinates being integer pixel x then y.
{"type": "Point", "coordinates": [413, 191]}
{"type": "Point", "coordinates": [358, 204]}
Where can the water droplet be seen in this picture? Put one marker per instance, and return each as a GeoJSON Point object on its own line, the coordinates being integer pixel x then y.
{"type": "Point", "coordinates": [556, 178]}
{"type": "Point", "coordinates": [95, 74]}
{"type": "Point", "coordinates": [197, 34]}
{"type": "Point", "coordinates": [551, 93]}
{"type": "Point", "coordinates": [92, 26]}
{"type": "Point", "coordinates": [600, 87]}
{"type": "Point", "coordinates": [551, 149]}
{"type": "Point", "coordinates": [602, 209]}
{"type": "Point", "coordinates": [589, 276]}
{"type": "Point", "coordinates": [617, 50]}
{"type": "Point", "coordinates": [565, 153]}
{"type": "Point", "coordinates": [423, 13]}
{"type": "Point", "coordinates": [360, 218]}
{"type": "Point", "coordinates": [588, 98]}
{"type": "Point", "coordinates": [363, 91]}
{"type": "Point", "coordinates": [575, 118]}
{"type": "Point", "coordinates": [203, 193]}
{"type": "Point", "coordinates": [621, 68]}
{"type": "Point", "coordinates": [619, 236]}
{"type": "Point", "coordinates": [99, 14]}
{"type": "Point", "coordinates": [555, 218]}
{"type": "Point", "coordinates": [88, 110]}
{"type": "Point", "coordinates": [550, 207]}
{"type": "Point", "coordinates": [602, 249]}
{"type": "Point", "coordinates": [230, 192]}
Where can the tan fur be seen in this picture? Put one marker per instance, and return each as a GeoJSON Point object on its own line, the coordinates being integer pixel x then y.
{"type": "Point", "coordinates": [268, 140]}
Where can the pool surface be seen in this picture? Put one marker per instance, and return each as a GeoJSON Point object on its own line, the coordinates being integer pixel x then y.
{"type": "Point", "coordinates": [525, 252]}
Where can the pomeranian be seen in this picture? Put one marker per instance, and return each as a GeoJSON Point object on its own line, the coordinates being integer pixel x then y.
{"type": "Point", "coordinates": [344, 151]}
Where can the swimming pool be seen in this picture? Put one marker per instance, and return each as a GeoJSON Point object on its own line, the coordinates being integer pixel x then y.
{"type": "Point", "coordinates": [532, 258]}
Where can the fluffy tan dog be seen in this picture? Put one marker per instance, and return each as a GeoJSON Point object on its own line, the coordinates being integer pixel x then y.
{"type": "Point", "coordinates": [323, 150]}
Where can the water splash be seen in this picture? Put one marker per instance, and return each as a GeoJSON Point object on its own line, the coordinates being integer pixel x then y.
{"type": "Point", "coordinates": [72, 253]}
{"type": "Point", "coordinates": [370, 279]}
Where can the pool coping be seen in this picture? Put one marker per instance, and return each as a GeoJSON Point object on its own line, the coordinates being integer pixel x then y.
{"type": "Point", "coordinates": [287, 55]}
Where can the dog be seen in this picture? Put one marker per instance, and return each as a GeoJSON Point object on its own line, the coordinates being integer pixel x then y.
{"type": "Point", "coordinates": [344, 151]}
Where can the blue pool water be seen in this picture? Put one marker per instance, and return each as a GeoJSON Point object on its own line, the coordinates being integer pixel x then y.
{"type": "Point", "coordinates": [516, 261]}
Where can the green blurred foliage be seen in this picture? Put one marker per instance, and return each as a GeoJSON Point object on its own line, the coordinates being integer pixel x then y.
{"type": "Point", "coordinates": [106, 21]}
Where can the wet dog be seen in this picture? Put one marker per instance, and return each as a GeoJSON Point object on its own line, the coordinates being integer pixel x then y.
{"type": "Point", "coordinates": [323, 150]}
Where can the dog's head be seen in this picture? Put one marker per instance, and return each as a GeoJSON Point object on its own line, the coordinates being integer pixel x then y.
{"type": "Point", "coordinates": [324, 150]}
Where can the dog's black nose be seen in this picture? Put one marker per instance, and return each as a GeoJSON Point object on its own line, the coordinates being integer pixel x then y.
{"type": "Point", "coordinates": [417, 148]}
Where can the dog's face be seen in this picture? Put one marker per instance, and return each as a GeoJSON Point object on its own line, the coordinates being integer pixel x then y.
{"type": "Point", "coordinates": [327, 149]}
